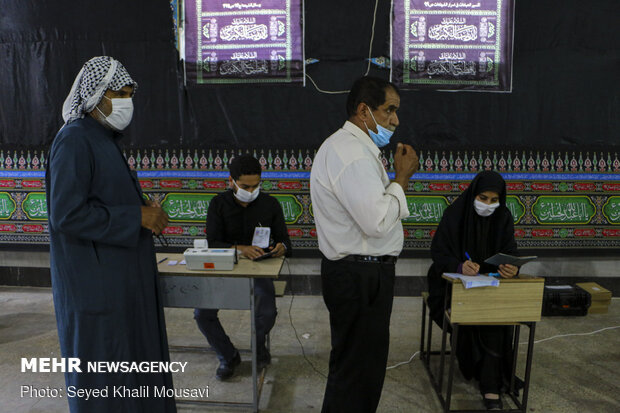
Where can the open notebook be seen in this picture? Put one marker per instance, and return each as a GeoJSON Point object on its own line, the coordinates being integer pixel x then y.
{"type": "Point", "coordinates": [472, 281]}
{"type": "Point", "coordinates": [500, 258]}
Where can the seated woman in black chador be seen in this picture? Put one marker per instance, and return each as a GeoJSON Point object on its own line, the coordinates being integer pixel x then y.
{"type": "Point", "coordinates": [477, 223]}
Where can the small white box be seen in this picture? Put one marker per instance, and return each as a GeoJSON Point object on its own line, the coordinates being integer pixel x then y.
{"type": "Point", "coordinates": [221, 259]}
{"type": "Point", "coordinates": [201, 243]}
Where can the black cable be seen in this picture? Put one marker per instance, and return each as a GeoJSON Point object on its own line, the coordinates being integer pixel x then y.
{"type": "Point", "coordinates": [303, 351]}
{"type": "Point", "coordinates": [162, 239]}
{"type": "Point", "coordinates": [290, 317]}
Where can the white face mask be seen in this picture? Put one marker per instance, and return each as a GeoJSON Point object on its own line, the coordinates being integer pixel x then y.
{"type": "Point", "coordinates": [484, 210]}
{"type": "Point", "coordinates": [246, 196]}
{"type": "Point", "coordinates": [122, 112]}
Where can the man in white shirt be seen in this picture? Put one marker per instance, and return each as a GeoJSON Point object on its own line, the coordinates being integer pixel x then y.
{"type": "Point", "coordinates": [358, 215]}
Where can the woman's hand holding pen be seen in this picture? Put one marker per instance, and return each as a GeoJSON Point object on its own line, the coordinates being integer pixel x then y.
{"type": "Point", "coordinates": [470, 268]}
{"type": "Point", "coordinates": [508, 271]}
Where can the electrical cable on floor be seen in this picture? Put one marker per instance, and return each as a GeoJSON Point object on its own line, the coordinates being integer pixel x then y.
{"type": "Point", "coordinates": [573, 334]}
{"type": "Point", "coordinates": [402, 363]}
{"type": "Point", "coordinates": [303, 351]}
{"type": "Point", "coordinates": [372, 38]}
{"type": "Point", "coordinates": [524, 343]}
{"type": "Point", "coordinates": [290, 317]}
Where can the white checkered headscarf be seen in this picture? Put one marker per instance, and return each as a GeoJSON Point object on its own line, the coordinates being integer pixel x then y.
{"type": "Point", "coordinates": [97, 75]}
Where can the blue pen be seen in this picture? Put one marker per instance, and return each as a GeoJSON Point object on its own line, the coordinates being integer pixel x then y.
{"type": "Point", "coordinates": [494, 274]}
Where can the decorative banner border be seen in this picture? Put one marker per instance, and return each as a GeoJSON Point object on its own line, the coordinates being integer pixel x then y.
{"type": "Point", "coordinates": [235, 42]}
{"type": "Point", "coordinates": [611, 210]}
{"type": "Point", "coordinates": [185, 207]}
{"type": "Point", "coordinates": [558, 200]}
{"type": "Point", "coordinates": [7, 206]}
{"type": "Point", "coordinates": [563, 209]}
{"type": "Point", "coordinates": [590, 165]}
{"type": "Point", "coordinates": [452, 44]}
{"type": "Point", "coordinates": [425, 209]}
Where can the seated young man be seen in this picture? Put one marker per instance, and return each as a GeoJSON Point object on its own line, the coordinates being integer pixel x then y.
{"type": "Point", "coordinates": [232, 218]}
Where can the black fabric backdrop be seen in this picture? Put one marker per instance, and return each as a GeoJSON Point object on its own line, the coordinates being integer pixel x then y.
{"type": "Point", "coordinates": [565, 87]}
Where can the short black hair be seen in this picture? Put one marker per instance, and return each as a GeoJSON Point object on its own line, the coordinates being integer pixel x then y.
{"type": "Point", "coordinates": [244, 165]}
{"type": "Point", "coordinates": [369, 90]}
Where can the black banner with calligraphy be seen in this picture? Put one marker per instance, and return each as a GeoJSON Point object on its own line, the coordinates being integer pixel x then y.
{"type": "Point", "coordinates": [562, 97]}
{"type": "Point", "coordinates": [228, 42]}
{"type": "Point", "coordinates": [451, 45]}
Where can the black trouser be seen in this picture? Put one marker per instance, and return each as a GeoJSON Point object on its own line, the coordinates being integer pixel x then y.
{"type": "Point", "coordinates": [495, 366]}
{"type": "Point", "coordinates": [265, 316]}
{"type": "Point", "coordinates": [359, 298]}
{"type": "Point", "coordinates": [485, 352]}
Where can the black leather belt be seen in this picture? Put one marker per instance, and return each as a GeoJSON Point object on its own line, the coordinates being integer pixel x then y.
{"type": "Point", "coordinates": [383, 259]}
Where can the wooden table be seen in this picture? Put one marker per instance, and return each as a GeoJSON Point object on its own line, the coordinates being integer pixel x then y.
{"type": "Point", "coordinates": [514, 302]}
{"type": "Point", "coordinates": [234, 290]}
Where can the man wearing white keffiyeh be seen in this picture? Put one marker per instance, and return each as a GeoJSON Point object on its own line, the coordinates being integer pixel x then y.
{"type": "Point", "coordinates": [102, 258]}
{"type": "Point", "coordinates": [100, 75]}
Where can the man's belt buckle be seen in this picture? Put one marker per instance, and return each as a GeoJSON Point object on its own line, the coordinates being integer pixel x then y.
{"type": "Point", "coordinates": [370, 258]}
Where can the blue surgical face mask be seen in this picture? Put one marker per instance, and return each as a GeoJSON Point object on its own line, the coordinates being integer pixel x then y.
{"type": "Point", "coordinates": [382, 136]}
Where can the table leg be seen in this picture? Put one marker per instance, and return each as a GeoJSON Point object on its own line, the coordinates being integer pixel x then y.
{"type": "Point", "coordinates": [422, 355]}
{"type": "Point", "coordinates": [444, 329]}
{"type": "Point", "coordinates": [515, 348]}
{"type": "Point", "coordinates": [254, 350]}
{"type": "Point", "coordinates": [455, 332]}
{"type": "Point", "coordinates": [442, 357]}
{"type": "Point", "coordinates": [429, 341]}
{"type": "Point", "coordinates": [528, 365]}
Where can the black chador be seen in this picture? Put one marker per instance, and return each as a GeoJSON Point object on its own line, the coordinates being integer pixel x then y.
{"type": "Point", "coordinates": [483, 352]}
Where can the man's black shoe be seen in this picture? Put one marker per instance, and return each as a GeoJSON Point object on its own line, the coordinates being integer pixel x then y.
{"type": "Point", "coordinates": [226, 369]}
